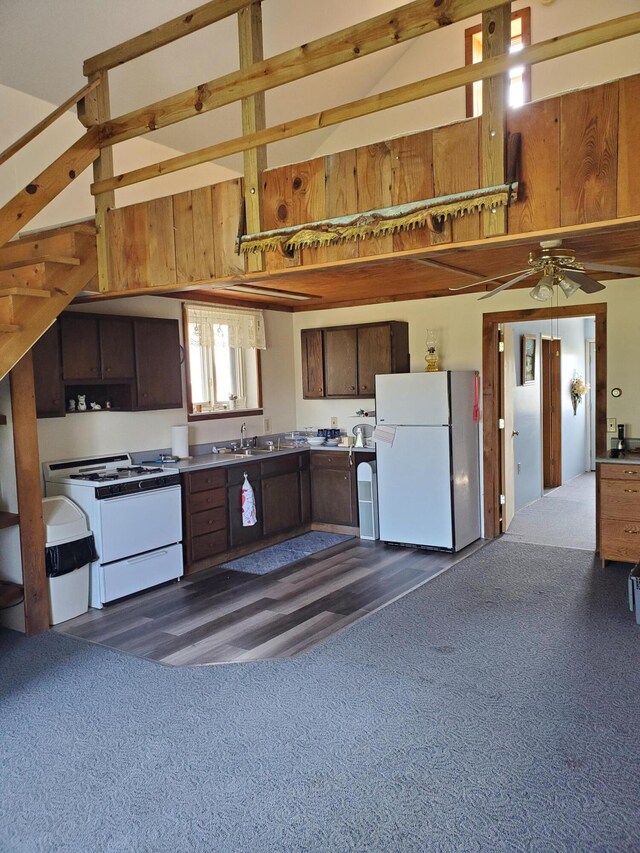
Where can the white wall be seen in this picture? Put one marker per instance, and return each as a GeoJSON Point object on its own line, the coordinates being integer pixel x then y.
{"type": "Point", "coordinates": [444, 50]}
{"type": "Point", "coordinates": [10, 562]}
{"type": "Point", "coordinates": [106, 432]}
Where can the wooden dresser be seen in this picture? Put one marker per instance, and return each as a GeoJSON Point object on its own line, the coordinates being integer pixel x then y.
{"type": "Point", "coordinates": [618, 511]}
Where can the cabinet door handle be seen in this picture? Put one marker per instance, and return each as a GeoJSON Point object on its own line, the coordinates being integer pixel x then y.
{"type": "Point", "coordinates": [630, 472]}
{"type": "Point", "coordinates": [632, 491]}
{"type": "Point", "coordinates": [634, 532]}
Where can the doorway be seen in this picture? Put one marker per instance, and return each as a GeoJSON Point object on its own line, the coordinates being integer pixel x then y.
{"type": "Point", "coordinates": [494, 438]}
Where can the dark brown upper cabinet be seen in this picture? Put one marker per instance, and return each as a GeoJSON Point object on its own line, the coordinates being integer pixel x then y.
{"type": "Point", "coordinates": [343, 361]}
{"type": "Point", "coordinates": [96, 348]}
{"type": "Point", "coordinates": [312, 364]}
{"type": "Point", "coordinates": [158, 371]}
{"type": "Point", "coordinates": [47, 374]}
{"type": "Point", "coordinates": [80, 348]}
{"type": "Point", "coordinates": [125, 363]}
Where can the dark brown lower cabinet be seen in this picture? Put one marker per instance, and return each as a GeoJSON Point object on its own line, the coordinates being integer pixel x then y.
{"type": "Point", "coordinates": [280, 503]}
{"type": "Point", "coordinates": [334, 497]}
{"type": "Point", "coordinates": [204, 500]}
{"type": "Point", "coordinates": [238, 534]}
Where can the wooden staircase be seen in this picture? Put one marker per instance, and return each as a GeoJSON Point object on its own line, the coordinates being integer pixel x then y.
{"type": "Point", "coordinates": [39, 276]}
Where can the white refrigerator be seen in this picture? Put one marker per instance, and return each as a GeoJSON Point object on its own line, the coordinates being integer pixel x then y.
{"type": "Point", "coordinates": [429, 477]}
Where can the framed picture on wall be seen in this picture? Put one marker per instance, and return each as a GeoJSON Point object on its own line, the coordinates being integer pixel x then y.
{"type": "Point", "coordinates": [528, 360]}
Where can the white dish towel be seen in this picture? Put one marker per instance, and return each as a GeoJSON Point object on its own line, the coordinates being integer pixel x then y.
{"type": "Point", "coordinates": [249, 517]}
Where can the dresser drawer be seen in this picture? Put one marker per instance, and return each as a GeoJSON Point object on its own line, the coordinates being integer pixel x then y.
{"type": "Point", "coordinates": [620, 500]}
{"type": "Point", "coordinates": [207, 546]}
{"type": "Point", "coordinates": [620, 471]}
{"type": "Point", "coordinates": [198, 481]}
{"type": "Point", "coordinates": [207, 522]}
{"type": "Point", "coordinates": [207, 500]}
{"type": "Point", "coordinates": [620, 540]}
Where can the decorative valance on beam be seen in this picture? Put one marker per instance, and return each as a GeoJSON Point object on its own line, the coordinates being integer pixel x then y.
{"type": "Point", "coordinates": [374, 223]}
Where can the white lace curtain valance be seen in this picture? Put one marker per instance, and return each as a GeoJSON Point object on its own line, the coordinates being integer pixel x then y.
{"type": "Point", "coordinates": [246, 328]}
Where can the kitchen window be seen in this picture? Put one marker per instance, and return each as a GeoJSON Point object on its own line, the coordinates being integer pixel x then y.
{"type": "Point", "coordinates": [519, 77]}
{"type": "Point", "coordinates": [223, 361]}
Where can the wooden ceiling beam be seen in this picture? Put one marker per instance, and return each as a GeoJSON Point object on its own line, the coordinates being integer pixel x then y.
{"type": "Point", "coordinates": [540, 52]}
{"type": "Point", "coordinates": [367, 37]}
{"type": "Point", "coordinates": [166, 33]}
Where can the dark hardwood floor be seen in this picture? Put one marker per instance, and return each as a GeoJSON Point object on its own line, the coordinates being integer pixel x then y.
{"type": "Point", "coordinates": [222, 616]}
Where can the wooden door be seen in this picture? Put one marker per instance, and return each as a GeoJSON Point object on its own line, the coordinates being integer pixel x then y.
{"type": "Point", "coordinates": [341, 362]}
{"type": "Point", "coordinates": [47, 374]}
{"type": "Point", "coordinates": [509, 433]}
{"type": "Point", "coordinates": [157, 354]}
{"type": "Point", "coordinates": [551, 414]}
{"type": "Point", "coordinates": [374, 356]}
{"type": "Point", "coordinates": [312, 364]}
{"type": "Point", "coordinates": [116, 348]}
{"type": "Point", "coordinates": [80, 350]}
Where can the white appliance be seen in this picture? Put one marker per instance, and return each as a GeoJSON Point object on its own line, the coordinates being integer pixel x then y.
{"type": "Point", "coordinates": [135, 515]}
{"type": "Point", "coordinates": [428, 477]}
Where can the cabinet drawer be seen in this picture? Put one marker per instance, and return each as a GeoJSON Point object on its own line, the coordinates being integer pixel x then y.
{"type": "Point", "coordinates": [325, 459]}
{"type": "Point", "coordinates": [206, 522]}
{"type": "Point", "coordinates": [211, 499]}
{"type": "Point", "coordinates": [280, 465]}
{"type": "Point", "coordinates": [620, 500]}
{"type": "Point", "coordinates": [620, 472]}
{"type": "Point", "coordinates": [208, 545]}
{"type": "Point", "coordinates": [198, 481]}
{"type": "Point", "coordinates": [620, 540]}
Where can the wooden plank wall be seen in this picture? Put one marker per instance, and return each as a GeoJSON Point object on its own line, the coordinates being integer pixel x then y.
{"type": "Point", "coordinates": [177, 239]}
{"type": "Point", "coordinates": [578, 165]}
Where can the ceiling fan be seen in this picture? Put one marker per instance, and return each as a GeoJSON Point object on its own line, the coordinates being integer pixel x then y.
{"type": "Point", "coordinates": [556, 266]}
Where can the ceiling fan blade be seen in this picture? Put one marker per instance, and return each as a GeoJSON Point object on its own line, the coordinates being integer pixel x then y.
{"type": "Point", "coordinates": [588, 285]}
{"type": "Point", "coordinates": [612, 268]}
{"type": "Point", "coordinates": [508, 284]}
{"type": "Point", "coordinates": [489, 280]}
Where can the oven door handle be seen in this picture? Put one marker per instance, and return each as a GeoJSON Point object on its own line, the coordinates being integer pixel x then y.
{"type": "Point", "coordinates": [122, 498]}
{"type": "Point", "coordinates": [144, 557]}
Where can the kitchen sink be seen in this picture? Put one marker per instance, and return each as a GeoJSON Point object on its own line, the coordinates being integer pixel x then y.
{"type": "Point", "coordinates": [250, 451]}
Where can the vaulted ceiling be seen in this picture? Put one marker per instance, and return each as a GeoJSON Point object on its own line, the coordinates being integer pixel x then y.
{"type": "Point", "coordinates": [43, 45]}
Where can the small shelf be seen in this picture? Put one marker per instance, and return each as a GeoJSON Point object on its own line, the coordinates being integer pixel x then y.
{"type": "Point", "coordinates": [8, 519]}
{"type": "Point", "coordinates": [10, 594]}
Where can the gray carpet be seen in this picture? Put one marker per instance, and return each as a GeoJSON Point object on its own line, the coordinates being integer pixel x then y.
{"type": "Point", "coordinates": [276, 556]}
{"type": "Point", "coordinates": [565, 517]}
{"type": "Point", "coordinates": [493, 709]}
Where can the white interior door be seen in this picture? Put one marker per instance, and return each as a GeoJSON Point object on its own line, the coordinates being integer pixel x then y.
{"type": "Point", "coordinates": [509, 432]}
{"type": "Point", "coordinates": [591, 402]}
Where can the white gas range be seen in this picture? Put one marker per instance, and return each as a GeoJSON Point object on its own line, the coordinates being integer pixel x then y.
{"type": "Point", "coordinates": [135, 514]}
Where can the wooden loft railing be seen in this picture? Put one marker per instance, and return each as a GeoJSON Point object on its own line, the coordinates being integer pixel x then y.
{"type": "Point", "coordinates": [46, 122]}
{"type": "Point", "coordinates": [256, 75]}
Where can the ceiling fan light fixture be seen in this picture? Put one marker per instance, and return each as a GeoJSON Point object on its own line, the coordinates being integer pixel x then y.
{"type": "Point", "coordinates": [543, 291]}
{"type": "Point", "coordinates": [568, 286]}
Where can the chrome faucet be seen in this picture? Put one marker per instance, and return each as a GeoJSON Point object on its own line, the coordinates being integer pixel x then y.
{"type": "Point", "coordinates": [243, 432]}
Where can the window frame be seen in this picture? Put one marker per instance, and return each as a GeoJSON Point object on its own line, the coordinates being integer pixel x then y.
{"type": "Point", "coordinates": [197, 417]}
{"type": "Point", "coordinates": [525, 16]}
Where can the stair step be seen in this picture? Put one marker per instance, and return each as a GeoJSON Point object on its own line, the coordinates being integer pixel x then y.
{"type": "Point", "coordinates": [32, 274]}
{"type": "Point", "coordinates": [42, 259]}
{"type": "Point", "coordinates": [88, 226]}
{"type": "Point", "coordinates": [25, 291]}
{"type": "Point", "coordinates": [9, 327]}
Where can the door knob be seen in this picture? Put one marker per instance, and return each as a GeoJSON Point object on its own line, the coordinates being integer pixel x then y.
{"type": "Point", "coordinates": [514, 432]}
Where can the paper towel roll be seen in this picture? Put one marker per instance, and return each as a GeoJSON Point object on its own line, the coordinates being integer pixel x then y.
{"type": "Point", "coordinates": [180, 441]}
